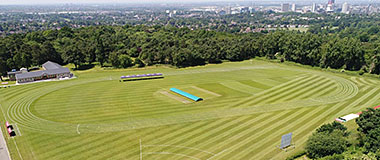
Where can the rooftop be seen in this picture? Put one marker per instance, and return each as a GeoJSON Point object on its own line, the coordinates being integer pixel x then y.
{"type": "Point", "coordinates": [51, 68]}
{"type": "Point", "coordinates": [42, 73]}
{"type": "Point", "coordinates": [51, 65]}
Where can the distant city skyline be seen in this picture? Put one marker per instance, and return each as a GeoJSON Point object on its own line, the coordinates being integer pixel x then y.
{"type": "Point", "coordinates": [36, 2]}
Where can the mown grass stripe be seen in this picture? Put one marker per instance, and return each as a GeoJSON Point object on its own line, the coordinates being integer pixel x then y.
{"type": "Point", "coordinates": [331, 111]}
{"type": "Point", "coordinates": [278, 93]}
{"type": "Point", "coordinates": [105, 142]}
{"type": "Point", "coordinates": [212, 138]}
{"type": "Point", "coordinates": [309, 91]}
{"type": "Point", "coordinates": [299, 91]}
{"type": "Point", "coordinates": [243, 132]}
{"type": "Point", "coordinates": [261, 134]}
{"type": "Point", "coordinates": [272, 90]}
{"type": "Point", "coordinates": [182, 130]}
{"type": "Point", "coordinates": [266, 143]}
{"type": "Point", "coordinates": [288, 91]}
{"type": "Point", "coordinates": [204, 137]}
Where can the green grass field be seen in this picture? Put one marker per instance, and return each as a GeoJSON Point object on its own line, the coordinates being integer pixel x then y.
{"type": "Point", "coordinates": [247, 107]}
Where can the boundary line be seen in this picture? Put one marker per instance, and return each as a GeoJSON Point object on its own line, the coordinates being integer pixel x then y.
{"type": "Point", "coordinates": [78, 128]}
{"type": "Point", "coordinates": [217, 154]}
{"type": "Point", "coordinates": [18, 151]}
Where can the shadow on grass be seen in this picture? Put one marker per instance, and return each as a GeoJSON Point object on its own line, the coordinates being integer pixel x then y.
{"type": "Point", "coordinates": [84, 67]}
{"type": "Point", "coordinates": [33, 69]}
{"type": "Point", "coordinates": [141, 79]}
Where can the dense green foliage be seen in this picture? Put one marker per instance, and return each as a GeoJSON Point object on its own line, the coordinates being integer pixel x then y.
{"type": "Point", "coordinates": [329, 128]}
{"type": "Point", "coordinates": [369, 139]}
{"type": "Point", "coordinates": [328, 140]}
{"type": "Point", "coordinates": [324, 144]}
{"type": "Point", "coordinates": [369, 127]}
{"type": "Point", "coordinates": [181, 47]}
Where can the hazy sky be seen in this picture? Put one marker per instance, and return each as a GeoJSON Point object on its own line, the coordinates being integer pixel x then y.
{"type": "Point", "coordinates": [99, 1]}
{"type": "Point", "coordinates": [6, 2]}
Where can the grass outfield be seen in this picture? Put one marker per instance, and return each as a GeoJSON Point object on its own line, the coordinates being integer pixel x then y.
{"type": "Point", "coordinates": [247, 107]}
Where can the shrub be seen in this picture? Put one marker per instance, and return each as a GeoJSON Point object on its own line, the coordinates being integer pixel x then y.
{"type": "Point", "coordinates": [322, 144]}
{"type": "Point", "coordinates": [297, 155]}
{"type": "Point", "coordinates": [139, 62]}
{"type": "Point", "coordinates": [125, 61]}
{"type": "Point", "coordinates": [333, 126]}
{"type": "Point", "coordinates": [333, 157]}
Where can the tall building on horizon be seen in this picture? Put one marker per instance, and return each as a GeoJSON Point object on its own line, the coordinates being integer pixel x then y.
{"type": "Point", "coordinates": [345, 8]}
{"type": "Point", "coordinates": [368, 9]}
{"type": "Point", "coordinates": [294, 8]}
{"type": "Point", "coordinates": [330, 6]}
{"type": "Point", "coordinates": [285, 7]}
{"type": "Point", "coordinates": [228, 9]}
{"type": "Point", "coordinates": [314, 8]}
{"type": "Point", "coordinates": [331, 2]}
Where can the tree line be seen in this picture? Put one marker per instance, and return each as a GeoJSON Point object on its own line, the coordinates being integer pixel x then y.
{"type": "Point", "coordinates": [125, 46]}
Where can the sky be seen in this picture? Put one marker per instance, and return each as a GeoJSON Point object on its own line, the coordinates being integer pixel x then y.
{"type": "Point", "coordinates": [97, 1]}
{"type": "Point", "coordinates": [11, 2]}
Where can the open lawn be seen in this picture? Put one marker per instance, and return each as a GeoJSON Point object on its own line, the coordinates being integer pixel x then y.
{"type": "Point", "coordinates": [247, 107]}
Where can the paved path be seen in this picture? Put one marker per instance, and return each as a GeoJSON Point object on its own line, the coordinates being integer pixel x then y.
{"type": "Point", "coordinates": [4, 153]}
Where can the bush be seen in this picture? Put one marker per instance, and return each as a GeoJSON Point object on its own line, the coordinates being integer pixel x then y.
{"type": "Point", "coordinates": [333, 157]}
{"type": "Point", "coordinates": [125, 61]}
{"type": "Point", "coordinates": [361, 72]}
{"type": "Point", "coordinates": [322, 144]}
{"type": "Point", "coordinates": [139, 62]}
{"type": "Point", "coordinates": [114, 59]}
{"type": "Point", "coordinates": [329, 128]}
{"type": "Point", "coordinates": [296, 155]}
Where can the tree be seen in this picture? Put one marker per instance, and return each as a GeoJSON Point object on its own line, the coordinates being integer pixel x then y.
{"type": "Point", "coordinates": [49, 53]}
{"type": "Point", "coordinates": [372, 141]}
{"type": "Point", "coordinates": [125, 61]}
{"type": "Point", "coordinates": [374, 66]}
{"type": "Point", "coordinates": [65, 32]}
{"type": "Point", "coordinates": [3, 68]}
{"type": "Point", "coordinates": [23, 57]}
{"type": "Point", "coordinates": [329, 139]}
{"type": "Point", "coordinates": [329, 128]}
{"type": "Point", "coordinates": [322, 144]}
{"type": "Point", "coordinates": [346, 53]}
{"type": "Point", "coordinates": [114, 59]}
{"type": "Point", "coordinates": [139, 62]}
{"type": "Point", "coordinates": [71, 52]}
{"type": "Point", "coordinates": [369, 127]}
{"type": "Point", "coordinates": [368, 120]}
{"type": "Point", "coordinates": [38, 57]}
{"type": "Point", "coordinates": [104, 42]}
